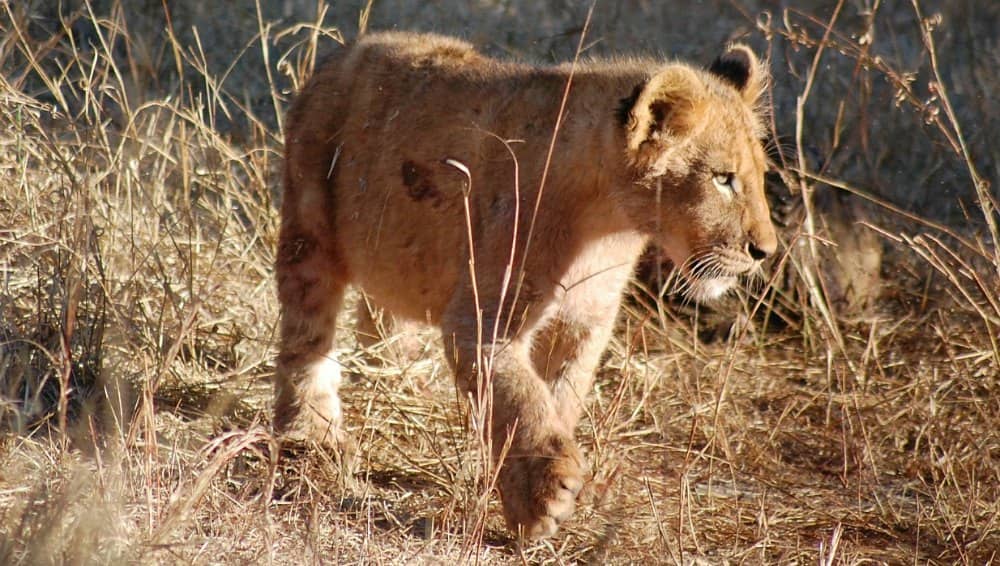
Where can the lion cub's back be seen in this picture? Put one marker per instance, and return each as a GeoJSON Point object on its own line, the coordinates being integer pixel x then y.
{"type": "Point", "coordinates": [421, 49]}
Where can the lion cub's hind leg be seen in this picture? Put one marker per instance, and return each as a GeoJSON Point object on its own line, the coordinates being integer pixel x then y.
{"type": "Point", "coordinates": [307, 378]}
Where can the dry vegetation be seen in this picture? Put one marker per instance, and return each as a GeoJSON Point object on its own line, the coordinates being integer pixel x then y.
{"type": "Point", "coordinates": [138, 172]}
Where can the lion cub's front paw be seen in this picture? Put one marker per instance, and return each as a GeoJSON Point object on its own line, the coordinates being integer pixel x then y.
{"type": "Point", "coordinates": [539, 486]}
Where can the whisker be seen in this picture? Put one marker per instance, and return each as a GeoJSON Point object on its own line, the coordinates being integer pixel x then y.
{"type": "Point", "coordinates": [701, 264]}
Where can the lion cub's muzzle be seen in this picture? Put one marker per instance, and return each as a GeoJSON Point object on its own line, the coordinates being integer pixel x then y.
{"type": "Point", "coordinates": [712, 273]}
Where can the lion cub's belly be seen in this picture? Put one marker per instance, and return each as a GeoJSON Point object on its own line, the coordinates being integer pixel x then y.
{"type": "Point", "coordinates": [409, 282]}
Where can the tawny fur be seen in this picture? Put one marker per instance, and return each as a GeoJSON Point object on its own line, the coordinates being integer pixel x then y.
{"type": "Point", "coordinates": [402, 147]}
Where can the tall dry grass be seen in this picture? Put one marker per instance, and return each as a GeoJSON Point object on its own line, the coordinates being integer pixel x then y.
{"type": "Point", "coordinates": [137, 317]}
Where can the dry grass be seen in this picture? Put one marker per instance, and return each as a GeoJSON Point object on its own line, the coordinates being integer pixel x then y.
{"type": "Point", "coordinates": [137, 316]}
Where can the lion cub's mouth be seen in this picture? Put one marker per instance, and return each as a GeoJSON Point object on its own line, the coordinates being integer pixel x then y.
{"type": "Point", "coordinates": [708, 289]}
{"type": "Point", "coordinates": [708, 276]}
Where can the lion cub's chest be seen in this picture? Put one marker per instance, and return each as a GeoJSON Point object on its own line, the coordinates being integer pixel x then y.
{"type": "Point", "coordinates": [591, 287]}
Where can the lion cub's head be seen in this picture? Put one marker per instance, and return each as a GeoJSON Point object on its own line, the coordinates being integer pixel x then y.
{"type": "Point", "coordinates": [694, 147]}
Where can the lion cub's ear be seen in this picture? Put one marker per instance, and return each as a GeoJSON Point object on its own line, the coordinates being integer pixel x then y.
{"type": "Point", "coordinates": [666, 108]}
{"type": "Point", "coordinates": [740, 67]}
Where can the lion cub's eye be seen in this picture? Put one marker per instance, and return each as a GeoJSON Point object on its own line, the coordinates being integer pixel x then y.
{"type": "Point", "coordinates": [725, 183]}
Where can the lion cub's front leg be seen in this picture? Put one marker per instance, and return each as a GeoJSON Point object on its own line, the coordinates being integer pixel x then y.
{"type": "Point", "coordinates": [542, 470]}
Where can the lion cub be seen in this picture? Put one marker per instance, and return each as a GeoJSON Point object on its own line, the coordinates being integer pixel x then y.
{"type": "Point", "coordinates": [418, 170]}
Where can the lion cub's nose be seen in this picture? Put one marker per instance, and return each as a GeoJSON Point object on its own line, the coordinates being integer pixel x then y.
{"type": "Point", "coordinates": [760, 251]}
